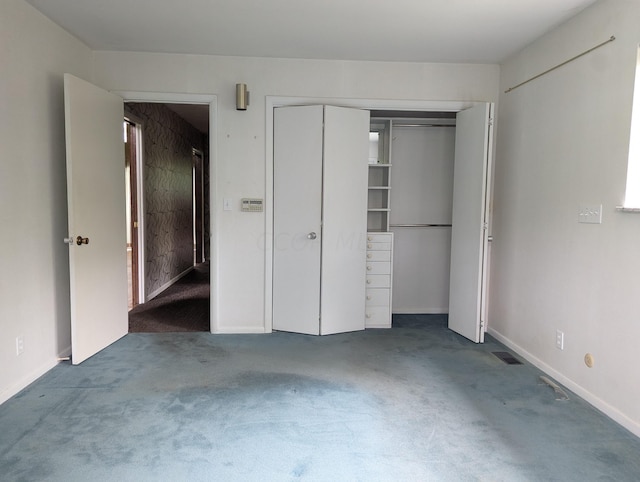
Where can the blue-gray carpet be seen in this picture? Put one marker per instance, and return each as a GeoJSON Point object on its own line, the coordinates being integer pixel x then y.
{"type": "Point", "coordinates": [414, 403]}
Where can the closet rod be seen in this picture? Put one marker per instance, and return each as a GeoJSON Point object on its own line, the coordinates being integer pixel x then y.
{"type": "Point", "coordinates": [419, 225]}
{"type": "Point", "coordinates": [611, 39]}
{"type": "Point", "coordinates": [423, 125]}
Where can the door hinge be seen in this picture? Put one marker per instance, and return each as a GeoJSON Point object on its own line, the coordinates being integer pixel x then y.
{"type": "Point", "coordinates": [490, 121]}
{"type": "Point", "coordinates": [485, 226]}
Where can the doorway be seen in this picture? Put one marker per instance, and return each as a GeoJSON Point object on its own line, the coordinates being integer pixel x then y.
{"type": "Point", "coordinates": [174, 171]}
{"type": "Point", "coordinates": [470, 249]}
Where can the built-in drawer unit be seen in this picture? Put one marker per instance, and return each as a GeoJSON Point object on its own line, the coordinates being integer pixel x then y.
{"type": "Point", "coordinates": [379, 256]}
{"type": "Point", "coordinates": [379, 280]}
{"type": "Point", "coordinates": [377, 297]}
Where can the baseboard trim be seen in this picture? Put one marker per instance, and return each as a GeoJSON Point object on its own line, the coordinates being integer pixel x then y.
{"type": "Point", "coordinates": [31, 377]}
{"type": "Point", "coordinates": [239, 330]}
{"type": "Point", "coordinates": [592, 399]}
{"type": "Point", "coordinates": [169, 283]}
{"type": "Point", "coordinates": [435, 311]}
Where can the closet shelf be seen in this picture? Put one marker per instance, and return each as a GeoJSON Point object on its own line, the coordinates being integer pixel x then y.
{"type": "Point", "coordinates": [378, 210]}
{"type": "Point", "coordinates": [383, 188]}
{"type": "Point", "coordinates": [380, 165]}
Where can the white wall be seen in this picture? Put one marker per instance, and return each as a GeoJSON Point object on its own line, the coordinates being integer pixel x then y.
{"type": "Point", "coordinates": [241, 143]}
{"type": "Point", "coordinates": [34, 285]}
{"type": "Point", "coordinates": [563, 141]}
{"type": "Point", "coordinates": [421, 193]}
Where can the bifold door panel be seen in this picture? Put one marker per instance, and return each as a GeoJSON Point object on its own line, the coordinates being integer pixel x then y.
{"type": "Point", "coordinates": [320, 196]}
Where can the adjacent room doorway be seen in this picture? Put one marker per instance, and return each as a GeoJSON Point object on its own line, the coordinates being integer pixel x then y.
{"type": "Point", "coordinates": [168, 216]}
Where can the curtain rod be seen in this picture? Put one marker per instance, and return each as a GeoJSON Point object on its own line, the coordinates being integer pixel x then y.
{"type": "Point", "coordinates": [611, 39]}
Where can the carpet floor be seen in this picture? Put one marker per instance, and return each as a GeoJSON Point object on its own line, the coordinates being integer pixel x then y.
{"type": "Point", "coordinates": [413, 403]}
{"type": "Point", "coordinates": [184, 306]}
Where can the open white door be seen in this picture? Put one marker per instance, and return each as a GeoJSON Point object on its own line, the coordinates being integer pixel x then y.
{"type": "Point", "coordinates": [469, 234]}
{"type": "Point", "coordinates": [96, 205]}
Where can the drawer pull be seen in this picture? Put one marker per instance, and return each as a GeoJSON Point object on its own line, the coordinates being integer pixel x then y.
{"type": "Point", "coordinates": [369, 245]}
{"type": "Point", "coordinates": [369, 238]}
{"type": "Point", "coordinates": [368, 281]}
{"type": "Point", "coordinates": [368, 297]}
{"type": "Point", "coordinates": [369, 268]}
{"type": "Point", "coordinates": [368, 315]}
{"type": "Point", "coordinates": [369, 255]}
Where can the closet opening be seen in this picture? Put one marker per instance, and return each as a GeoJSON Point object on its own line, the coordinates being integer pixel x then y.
{"type": "Point", "coordinates": [411, 195]}
{"type": "Point", "coordinates": [457, 194]}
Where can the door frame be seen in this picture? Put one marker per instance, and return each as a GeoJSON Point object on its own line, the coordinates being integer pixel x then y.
{"type": "Point", "coordinates": [367, 104]}
{"type": "Point", "coordinates": [212, 101]}
{"type": "Point", "coordinates": [139, 233]}
{"type": "Point", "coordinates": [198, 205]}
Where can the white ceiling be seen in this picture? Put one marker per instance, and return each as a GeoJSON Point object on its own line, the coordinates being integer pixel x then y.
{"type": "Point", "coordinates": [467, 31]}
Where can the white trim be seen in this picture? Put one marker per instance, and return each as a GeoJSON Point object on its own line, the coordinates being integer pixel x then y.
{"type": "Point", "coordinates": [140, 203]}
{"type": "Point", "coordinates": [212, 101]}
{"type": "Point", "coordinates": [418, 311]}
{"type": "Point", "coordinates": [592, 399]}
{"type": "Point", "coordinates": [241, 330]}
{"type": "Point", "coordinates": [625, 209]}
{"type": "Point", "coordinates": [368, 104]}
{"type": "Point", "coordinates": [24, 382]}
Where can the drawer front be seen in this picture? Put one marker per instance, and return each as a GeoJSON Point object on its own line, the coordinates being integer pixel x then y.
{"type": "Point", "coordinates": [377, 315]}
{"type": "Point", "coordinates": [379, 237]}
{"type": "Point", "coordinates": [378, 246]}
{"type": "Point", "coordinates": [378, 297]}
{"type": "Point", "coordinates": [380, 267]}
{"type": "Point", "coordinates": [378, 281]}
{"type": "Point", "coordinates": [379, 256]}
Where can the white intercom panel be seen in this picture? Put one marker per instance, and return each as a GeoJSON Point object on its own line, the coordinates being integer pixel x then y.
{"type": "Point", "coordinates": [251, 205]}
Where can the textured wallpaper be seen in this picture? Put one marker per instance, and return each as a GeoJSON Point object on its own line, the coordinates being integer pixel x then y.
{"type": "Point", "coordinates": [167, 142]}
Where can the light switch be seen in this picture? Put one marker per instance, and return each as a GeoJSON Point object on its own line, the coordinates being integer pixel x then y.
{"type": "Point", "coordinates": [226, 204]}
{"type": "Point", "coordinates": [590, 214]}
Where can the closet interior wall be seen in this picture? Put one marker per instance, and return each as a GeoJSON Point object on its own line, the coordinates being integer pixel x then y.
{"type": "Point", "coordinates": [422, 154]}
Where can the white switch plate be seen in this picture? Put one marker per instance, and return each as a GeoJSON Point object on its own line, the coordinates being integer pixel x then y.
{"type": "Point", "coordinates": [590, 214]}
{"type": "Point", "coordinates": [226, 204]}
{"type": "Point", "coordinates": [559, 339]}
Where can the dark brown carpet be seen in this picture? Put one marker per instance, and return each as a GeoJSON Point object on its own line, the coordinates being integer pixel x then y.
{"type": "Point", "coordinates": [181, 307]}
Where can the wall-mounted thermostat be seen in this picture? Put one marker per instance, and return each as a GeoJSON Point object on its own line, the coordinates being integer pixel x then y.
{"type": "Point", "coordinates": [252, 205]}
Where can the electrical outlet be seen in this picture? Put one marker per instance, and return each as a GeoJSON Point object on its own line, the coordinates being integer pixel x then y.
{"type": "Point", "coordinates": [559, 340]}
{"type": "Point", "coordinates": [19, 345]}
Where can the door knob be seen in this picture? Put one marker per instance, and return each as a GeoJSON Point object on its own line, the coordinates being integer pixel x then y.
{"type": "Point", "coordinates": [80, 240]}
{"type": "Point", "coordinates": [312, 236]}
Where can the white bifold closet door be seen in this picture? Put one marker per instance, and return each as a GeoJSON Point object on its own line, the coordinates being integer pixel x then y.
{"type": "Point", "coordinates": [469, 234]}
{"type": "Point", "coordinates": [320, 219]}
